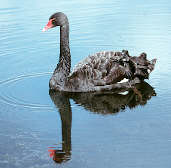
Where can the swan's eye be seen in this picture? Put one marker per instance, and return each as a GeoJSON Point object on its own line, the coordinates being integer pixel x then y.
{"type": "Point", "coordinates": [53, 22]}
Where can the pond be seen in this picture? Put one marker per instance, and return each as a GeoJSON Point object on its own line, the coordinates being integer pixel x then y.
{"type": "Point", "coordinates": [46, 129]}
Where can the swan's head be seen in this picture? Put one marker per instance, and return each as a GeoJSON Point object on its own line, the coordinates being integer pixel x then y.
{"type": "Point", "coordinates": [57, 19]}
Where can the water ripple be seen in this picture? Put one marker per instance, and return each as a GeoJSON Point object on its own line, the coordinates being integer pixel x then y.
{"type": "Point", "coordinates": [10, 80]}
{"type": "Point", "coordinates": [16, 100]}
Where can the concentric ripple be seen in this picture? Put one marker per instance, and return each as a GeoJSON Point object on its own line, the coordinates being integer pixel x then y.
{"type": "Point", "coordinates": [28, 91]}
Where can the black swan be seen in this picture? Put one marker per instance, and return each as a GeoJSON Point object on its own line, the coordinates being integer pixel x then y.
{"type": "Point", "coordinates": [103, 71]}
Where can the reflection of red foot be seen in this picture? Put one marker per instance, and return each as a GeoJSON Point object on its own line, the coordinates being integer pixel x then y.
{"type": "Point", "coordinates": [51, 152]}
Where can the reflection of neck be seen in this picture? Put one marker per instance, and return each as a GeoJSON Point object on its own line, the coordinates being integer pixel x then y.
{"type": "Point", "coordinates": [66, 118]}
{"type": "Point", "coordinates": [65, 57]}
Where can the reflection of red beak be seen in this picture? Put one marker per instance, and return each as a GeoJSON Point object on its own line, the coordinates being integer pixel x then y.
{"type": "Point", "coordinates": [51, 152]}
{"type": "Point", "coordinates": [48, 26]}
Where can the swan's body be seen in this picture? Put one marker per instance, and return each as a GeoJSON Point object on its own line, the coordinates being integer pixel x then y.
{"type": "Point", "coordinates": [102, 71]}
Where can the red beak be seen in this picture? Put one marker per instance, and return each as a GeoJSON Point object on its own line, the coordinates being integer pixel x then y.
{"type": "Point", "coordinates": [48, 26]}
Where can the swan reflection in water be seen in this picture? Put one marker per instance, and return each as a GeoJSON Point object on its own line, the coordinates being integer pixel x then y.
{"type": "Point", "coordinates": [104, 103]}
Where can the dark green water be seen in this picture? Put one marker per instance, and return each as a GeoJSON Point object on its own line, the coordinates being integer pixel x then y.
{"type": "Point", "coordinates": [83, 131]}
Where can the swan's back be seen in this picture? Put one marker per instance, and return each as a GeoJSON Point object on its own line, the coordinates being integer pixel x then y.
{"type": "Point", "coordinates": [98, 61]}
{"type": "Point", "coordinates": [103, 69]}
{"type": "Point", "coordinates": [99, 69]}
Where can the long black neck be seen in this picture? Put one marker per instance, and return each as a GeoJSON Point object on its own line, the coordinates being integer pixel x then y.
{"type": "Point", "coordinates": [65, 57]}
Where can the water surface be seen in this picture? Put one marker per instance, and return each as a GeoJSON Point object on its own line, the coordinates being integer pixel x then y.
{"type": "Point", "coordinates": [38, 127]}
